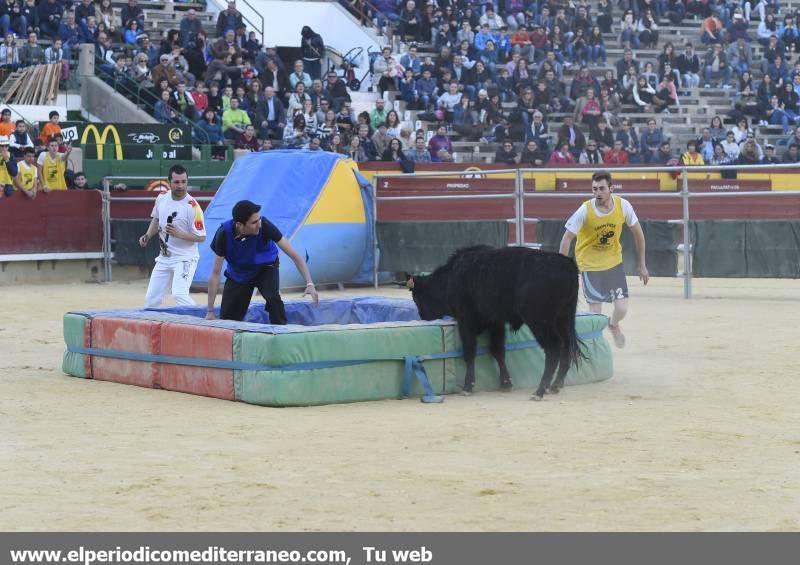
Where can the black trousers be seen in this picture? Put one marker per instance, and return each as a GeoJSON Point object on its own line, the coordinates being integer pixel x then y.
{"type": "Point", "coordinates": [236, 296]}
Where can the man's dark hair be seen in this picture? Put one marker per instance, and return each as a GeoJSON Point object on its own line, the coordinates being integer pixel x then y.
{"type": "Point", "coordinates": [78, 174]}
{"type": "Point", "coordinates": [178, 170]}
{"type": "Point", "coordinates": [243, 209]}
{"type": "Point", "coordinates": [602, 175]}
{"type": "Point", "coordinates": [29, 150]}
{"type": "Point", "coordinates": [53, 113]}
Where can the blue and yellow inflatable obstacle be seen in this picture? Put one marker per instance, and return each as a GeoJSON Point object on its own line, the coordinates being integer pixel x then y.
{"type": "Point", "coordinates": [317, 199]}
{"type": "Point", "coordinates": [344, 350]}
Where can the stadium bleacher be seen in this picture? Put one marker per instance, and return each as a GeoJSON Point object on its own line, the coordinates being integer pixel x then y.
{"type": "Point", "coordinates": [473, 135]}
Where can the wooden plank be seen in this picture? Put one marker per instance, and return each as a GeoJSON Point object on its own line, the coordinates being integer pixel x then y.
{"type": "Point", "coordinates": [32, 83]}
{"type": "Point", "coordinates": [18, 80]}
{"type": "Point", "coordinates": [28, 80]}
{"type": "Point", "coordinates": [11, 81]}
{"type": "Point", "coordinates": [50, 87]}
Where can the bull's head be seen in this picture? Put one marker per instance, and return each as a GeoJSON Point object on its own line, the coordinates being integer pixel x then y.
{"type": "Point", "coordinates": [429, 295]}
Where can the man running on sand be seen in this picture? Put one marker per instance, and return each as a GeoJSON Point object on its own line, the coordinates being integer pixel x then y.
{"type": "Point", "coordinates": [598, 251]}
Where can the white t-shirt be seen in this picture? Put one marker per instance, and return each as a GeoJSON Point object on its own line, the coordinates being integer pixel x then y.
{"type": "Point", "coordinates": [576, 221]}
{"type": "Point", "coordinates": [188, 217]}
{"type": "Point", "coordinates": [43, 154]}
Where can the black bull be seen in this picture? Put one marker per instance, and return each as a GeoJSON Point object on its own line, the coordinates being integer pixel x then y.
{"type": "Point", "coordinates": [484, 288]}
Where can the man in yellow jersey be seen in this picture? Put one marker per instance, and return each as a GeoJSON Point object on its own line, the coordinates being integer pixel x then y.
{"type": "Point", "coordinates": [598, 252]}
{"type": "Point", "coordinates": [27, 179]}
{"type": "Point", "coordinates": [8, 168]}
{"type": "Point", "coordinates": [52, 166]}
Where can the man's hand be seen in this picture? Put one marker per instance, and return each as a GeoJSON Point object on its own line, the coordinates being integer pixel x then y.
{"type": "Point", "coordinates": [644, 275]}
{"type": "Point", "coordinates": [172, 230]}
{"type": "Point", "coordinates": [312, 292]}
{"type": "Point", "coordinates": [143, 240]}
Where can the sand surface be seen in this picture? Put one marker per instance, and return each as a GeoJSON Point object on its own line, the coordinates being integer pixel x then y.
{"type": "Point", "coordinates": [698, 430]}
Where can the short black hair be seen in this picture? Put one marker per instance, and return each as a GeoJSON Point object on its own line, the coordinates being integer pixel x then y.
{"type": "Point", "coordinates": [243, 209]}
{"type": "Point", "coordinates": [53, 113]}
{"type": "Point", "coordinates": [178, 170]}
{"type": "Point", "coordinates": [602, 175]}
{"type": "Point", "coordinates": [29, 150]}
{"type": "Point", "coordinates": [78, 174]}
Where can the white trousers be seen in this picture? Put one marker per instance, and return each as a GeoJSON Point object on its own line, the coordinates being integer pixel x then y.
{"type": "Point", "coordinates": [173, 275]}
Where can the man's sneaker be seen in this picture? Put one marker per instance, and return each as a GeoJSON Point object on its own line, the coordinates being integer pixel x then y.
{"type": "Point", "coordinates": [619, 337]}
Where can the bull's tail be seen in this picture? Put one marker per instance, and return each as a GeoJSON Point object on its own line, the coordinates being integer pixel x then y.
{"type": "Point", "coordinates": [574, 343]}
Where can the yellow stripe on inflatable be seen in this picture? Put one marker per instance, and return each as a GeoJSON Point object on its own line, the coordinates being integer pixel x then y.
{"type": "Point", "coordinates": [340, 201]}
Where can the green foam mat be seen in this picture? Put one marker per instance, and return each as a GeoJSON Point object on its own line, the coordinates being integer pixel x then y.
{"type": "Point", "coordinates": [75, 330]}
{"type": "Point", "coordinates": [526, 365]}
{"type": "Point", "coordinates": [365, 381]}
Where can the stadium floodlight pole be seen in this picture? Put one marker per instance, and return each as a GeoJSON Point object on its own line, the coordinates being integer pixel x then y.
{"type": "Point", "coordinates": [106, 195]}
{"type": "Point", "coordinates": [375, 231]}
{"type": "Point", "coordinates": [687, 249]}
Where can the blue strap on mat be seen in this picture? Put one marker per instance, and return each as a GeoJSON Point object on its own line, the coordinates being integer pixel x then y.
{"type": "Point", "coordinates": [412, 364]}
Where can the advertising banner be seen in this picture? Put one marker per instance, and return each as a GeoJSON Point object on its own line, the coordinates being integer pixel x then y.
{"type": "Point", "coordinates": [131, 141]}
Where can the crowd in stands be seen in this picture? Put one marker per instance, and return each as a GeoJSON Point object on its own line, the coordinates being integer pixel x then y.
{"type": "Point", "coordinates": [499, 72]}
{"type": "Point", "coordinates": [531, 76]}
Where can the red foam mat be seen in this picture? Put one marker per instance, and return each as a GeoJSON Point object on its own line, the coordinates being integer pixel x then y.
{"type": "Point", "coordinates": [138, 336]}
{"type": "Point", "coordinates": [185, 340]}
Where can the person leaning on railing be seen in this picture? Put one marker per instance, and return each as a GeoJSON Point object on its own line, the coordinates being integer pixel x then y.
{"type": "Point", "coordinates": [20, 140]}
{"type": "Point", "coordinates": [8, 168]}
{"type": "Point", "coordinates": [52, 165]}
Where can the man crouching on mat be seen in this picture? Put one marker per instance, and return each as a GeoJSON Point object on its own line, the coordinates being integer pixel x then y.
{"type": "Point", "coordinates": [249, 243]}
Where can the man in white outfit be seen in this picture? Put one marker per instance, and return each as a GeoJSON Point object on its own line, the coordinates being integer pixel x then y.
{"type": "Point", "coordinates": [178, 221]}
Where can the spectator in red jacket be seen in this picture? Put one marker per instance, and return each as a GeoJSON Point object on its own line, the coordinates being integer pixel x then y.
{"type": "Point", "coordinates": [617, 155]}
{"type": "Point", "coordinates": [562, 155]}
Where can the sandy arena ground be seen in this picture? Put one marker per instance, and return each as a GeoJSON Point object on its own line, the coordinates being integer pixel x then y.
{"type": "Point", "coordinates": [698, 430]}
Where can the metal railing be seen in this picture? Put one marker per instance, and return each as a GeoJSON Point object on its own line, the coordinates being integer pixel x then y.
{"type": "Point", "coordinates": [145, 99]}
{"type": "Point", "coordinates": [520, 195]}
{"type": "Point", "coordinates": [107, 199]}
{"type": "Point", "coordinates": [257, 28]}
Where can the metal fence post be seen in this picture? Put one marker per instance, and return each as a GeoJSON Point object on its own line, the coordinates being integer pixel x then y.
{"type": "Point", "coordinates": [375, 231]}
{"type": "Point", "coordinates": [687, 250]}
{"type": "Point", "coordinates": [107, 229]}
{"type": "Point", "coordinates": [519, 188]}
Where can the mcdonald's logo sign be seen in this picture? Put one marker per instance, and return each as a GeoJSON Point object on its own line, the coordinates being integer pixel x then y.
{"type": "Point", "coordinates": [100, 139]}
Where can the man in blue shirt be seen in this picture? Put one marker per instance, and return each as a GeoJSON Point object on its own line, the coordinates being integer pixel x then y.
{"type": "Point", "coordinates": [249, 244]}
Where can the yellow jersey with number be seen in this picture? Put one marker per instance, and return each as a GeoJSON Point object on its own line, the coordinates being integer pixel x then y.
{"type": "Point", "coordinates": [598, 246]}
{"type": "Point", "coordinates": [53, 173]}
{"type": "Point", "coordinates": [5, 178]}
{"type": "Point", "coordinates": [27, 175]}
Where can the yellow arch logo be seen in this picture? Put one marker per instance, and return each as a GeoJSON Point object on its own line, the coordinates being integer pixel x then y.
{"type": "Point", "coordinates": [477, 173]}
{"type": "Point", "coordinates": [100, 139]}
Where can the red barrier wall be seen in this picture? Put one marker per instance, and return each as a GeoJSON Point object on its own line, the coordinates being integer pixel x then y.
{"type": "Point", "coordinates": [52, 222]}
